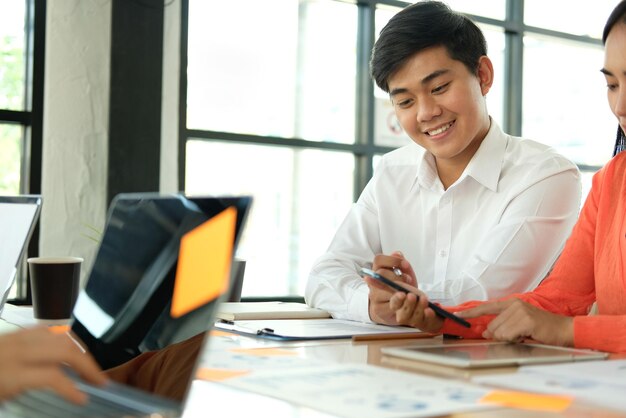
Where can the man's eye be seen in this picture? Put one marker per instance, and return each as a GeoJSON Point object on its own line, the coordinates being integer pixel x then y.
{"type": "Point", "coordinates": [441, 88]}
{"type": "Point", "coordinates": [404, 103]}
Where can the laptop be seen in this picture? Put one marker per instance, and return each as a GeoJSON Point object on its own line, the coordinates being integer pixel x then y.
{"type": "Point", "coordinates": [480, 354]}
{"type": "Point", "coordinates": [162, 267]}
{"type": "Point", "coordinates": [18, 217]}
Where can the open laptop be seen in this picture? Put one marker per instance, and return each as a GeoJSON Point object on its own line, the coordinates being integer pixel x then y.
{"type": "Point", "coordinates": [162, 267]}
{"type": "Point", "coordinates": [18, 217]}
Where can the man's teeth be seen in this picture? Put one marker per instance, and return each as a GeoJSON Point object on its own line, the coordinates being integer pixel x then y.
{"type": "Point", "coordinates": [440, 130]}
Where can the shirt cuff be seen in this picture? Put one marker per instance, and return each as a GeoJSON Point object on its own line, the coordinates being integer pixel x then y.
{"type": "Point", "coordinates": [358, 307]}
{"type": "Point", "coordinates": [598, 332]}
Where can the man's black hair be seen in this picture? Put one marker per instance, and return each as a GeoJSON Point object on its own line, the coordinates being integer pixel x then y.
{"type": "Point", "coordinates": [423, 25]}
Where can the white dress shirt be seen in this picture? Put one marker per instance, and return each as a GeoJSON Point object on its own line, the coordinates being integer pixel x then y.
{"type": "Point", "coordinates": [497, 230]}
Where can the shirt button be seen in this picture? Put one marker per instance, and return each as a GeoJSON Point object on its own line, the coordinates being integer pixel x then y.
{"type": "Point", "coordinates": [443, 253]}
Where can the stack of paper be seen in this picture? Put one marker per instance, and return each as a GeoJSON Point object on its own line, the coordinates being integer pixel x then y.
{"type": "Point", "coordinates": [235, 311]}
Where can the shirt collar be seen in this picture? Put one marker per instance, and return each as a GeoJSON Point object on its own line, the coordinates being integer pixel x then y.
{"type": "Point", "coordinates": [484, 167]}
{"type": "Point", "coordinates": [427, 176]}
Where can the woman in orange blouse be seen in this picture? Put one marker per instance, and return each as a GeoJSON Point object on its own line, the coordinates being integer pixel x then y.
{"type": "Point", "coordinates": [591, 268]}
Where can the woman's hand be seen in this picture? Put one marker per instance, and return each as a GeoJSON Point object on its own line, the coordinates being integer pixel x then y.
{"type": "Point", "coordinates": [34, 359]}
{"type": "Point", "coordinates": [517, 320]}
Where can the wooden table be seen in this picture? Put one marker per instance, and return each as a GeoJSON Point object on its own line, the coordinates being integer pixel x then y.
{"type": "Point", "coordinates": [209, 396]}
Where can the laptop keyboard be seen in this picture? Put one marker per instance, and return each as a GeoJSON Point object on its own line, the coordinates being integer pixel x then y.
{"type": "Point", "coordinates": [114, 401]}
{"type": "Point", "coordinates": [48, 404]}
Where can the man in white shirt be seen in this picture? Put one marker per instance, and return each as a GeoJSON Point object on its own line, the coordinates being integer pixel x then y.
{"type": "Point", "coordinates": [466, 212]}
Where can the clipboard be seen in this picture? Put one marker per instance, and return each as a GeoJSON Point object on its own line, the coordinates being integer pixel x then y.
{"type": "Point", "coordinates": [317, 329]}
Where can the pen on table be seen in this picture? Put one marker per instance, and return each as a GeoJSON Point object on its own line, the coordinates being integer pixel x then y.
{"type": "Point", "coordinates": [393, 336]}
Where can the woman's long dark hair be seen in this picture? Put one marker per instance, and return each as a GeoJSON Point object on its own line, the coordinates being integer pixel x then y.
{"type": "Point", "coordinates": [620, 142]}
{"type": "Point", "coordinates": [617, 15]}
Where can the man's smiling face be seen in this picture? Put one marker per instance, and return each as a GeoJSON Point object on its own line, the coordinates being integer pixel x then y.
{"type": "Point", "coordinates": [440, 104]}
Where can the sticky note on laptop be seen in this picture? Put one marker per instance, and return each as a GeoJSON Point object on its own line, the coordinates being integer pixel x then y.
{"type": "Point", "coordinates": [204, 261]}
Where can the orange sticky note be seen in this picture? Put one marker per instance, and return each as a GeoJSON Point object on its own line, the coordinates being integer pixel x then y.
{"type": "Point", "coordinates": [218, 375]}
{"type": "Point", "coordinates": [59, 329]}
{"type": "Point", "coordinates": [204, 260]}
{"type": "Point", "coordinates": [218, 333]}
{"type": "Point", "coordinates": [525, 400]}
{"type": "Point", "coordinates": [265, 352]}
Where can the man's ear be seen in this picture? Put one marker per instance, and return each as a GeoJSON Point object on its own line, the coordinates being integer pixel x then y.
{"type": "Point", "coordinates": [485, 74]}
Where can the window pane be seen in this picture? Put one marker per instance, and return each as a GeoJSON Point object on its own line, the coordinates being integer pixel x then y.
{"type": "Point", "coordinates": [300, 198]}
{"type": "Point", "coordinates": [12, 65]}
{"type": "Point", "coordinates": [283, 68]}
{"type": "Point", "coordinates": [10, 168]}
{"type": "Point", "coordinates": [10, 159]}
{"type": "Point", "coordinates": [578, 18]}
{"type": "Point", "coordinates": [564, 99]}
{"type": "Point", "coordinates": [489, 8]}
{"type": "Point", "coordinates": [387, 129]}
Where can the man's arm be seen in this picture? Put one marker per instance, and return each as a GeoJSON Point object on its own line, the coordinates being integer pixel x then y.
{"type": "Point", "coordinates": [334, 283]}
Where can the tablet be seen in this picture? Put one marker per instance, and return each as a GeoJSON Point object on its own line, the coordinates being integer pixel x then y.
{"type": "Point", "coordinates": [490, 354]}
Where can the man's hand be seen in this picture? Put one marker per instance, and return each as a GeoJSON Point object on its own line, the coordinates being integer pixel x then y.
{"type": "Point", "coordinates": [397, 264]}
{"type": "Point", "coordinates": [410, 311]}
{"type": "Point", "coordinates": [379, 294]}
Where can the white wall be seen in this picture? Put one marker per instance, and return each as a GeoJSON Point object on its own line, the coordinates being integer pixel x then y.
{"type": "Point", "coordinates": [169, 121]}
{"type": "Point", "coordinates": [75, 126]}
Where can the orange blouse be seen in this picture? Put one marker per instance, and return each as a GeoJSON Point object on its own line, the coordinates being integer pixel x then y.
{"type": "Point", "coordinates": [592, 267]}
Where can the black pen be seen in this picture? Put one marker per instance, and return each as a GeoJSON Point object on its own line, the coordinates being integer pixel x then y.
{"type": "Point", "coordinates": [438, 310]}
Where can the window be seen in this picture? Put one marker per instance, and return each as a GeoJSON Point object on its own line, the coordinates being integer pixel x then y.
{"type": "Point", "coordinates": [279, 105]}
{"type": "Point", "coordinates": [562, 81]}
{"type": "Point", "coordinates": [563, 85]}
{"type": "Point", "coordinates": [289, 74]}
{"type": "Point", "coordinates": [22, 29]}
{"type": "Point", "coordinates": [12, 92]}
{"type": "Point", "coordinates": [569, 17]}
{"type": "Point", "coordinates": [300, 198]}
{"type": "Point", "coordinates": [10, 158]}
{"type": "Point", "coordinates": [285, 86]}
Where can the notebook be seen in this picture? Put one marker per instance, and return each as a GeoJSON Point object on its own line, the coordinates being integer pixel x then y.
{"type": "Point", "coordinates": [236, 311]}
{"type": "Point", "coordinates": [18, 217]}
{"type": "Point", "coordinates": [162, 267]}
{"type": "Point", "coordinates": [490, 354]}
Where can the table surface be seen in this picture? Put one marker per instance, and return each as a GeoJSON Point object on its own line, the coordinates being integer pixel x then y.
{"type": "Point", "coordinates": [363, 352]}
{"type": "Point", "coordinates": [337, 351]}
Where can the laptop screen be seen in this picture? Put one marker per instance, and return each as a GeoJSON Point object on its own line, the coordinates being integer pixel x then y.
{"type": "Point", "coordinates": [129, 304]}
{"type": "Point", "coordinates": [18, 216]}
